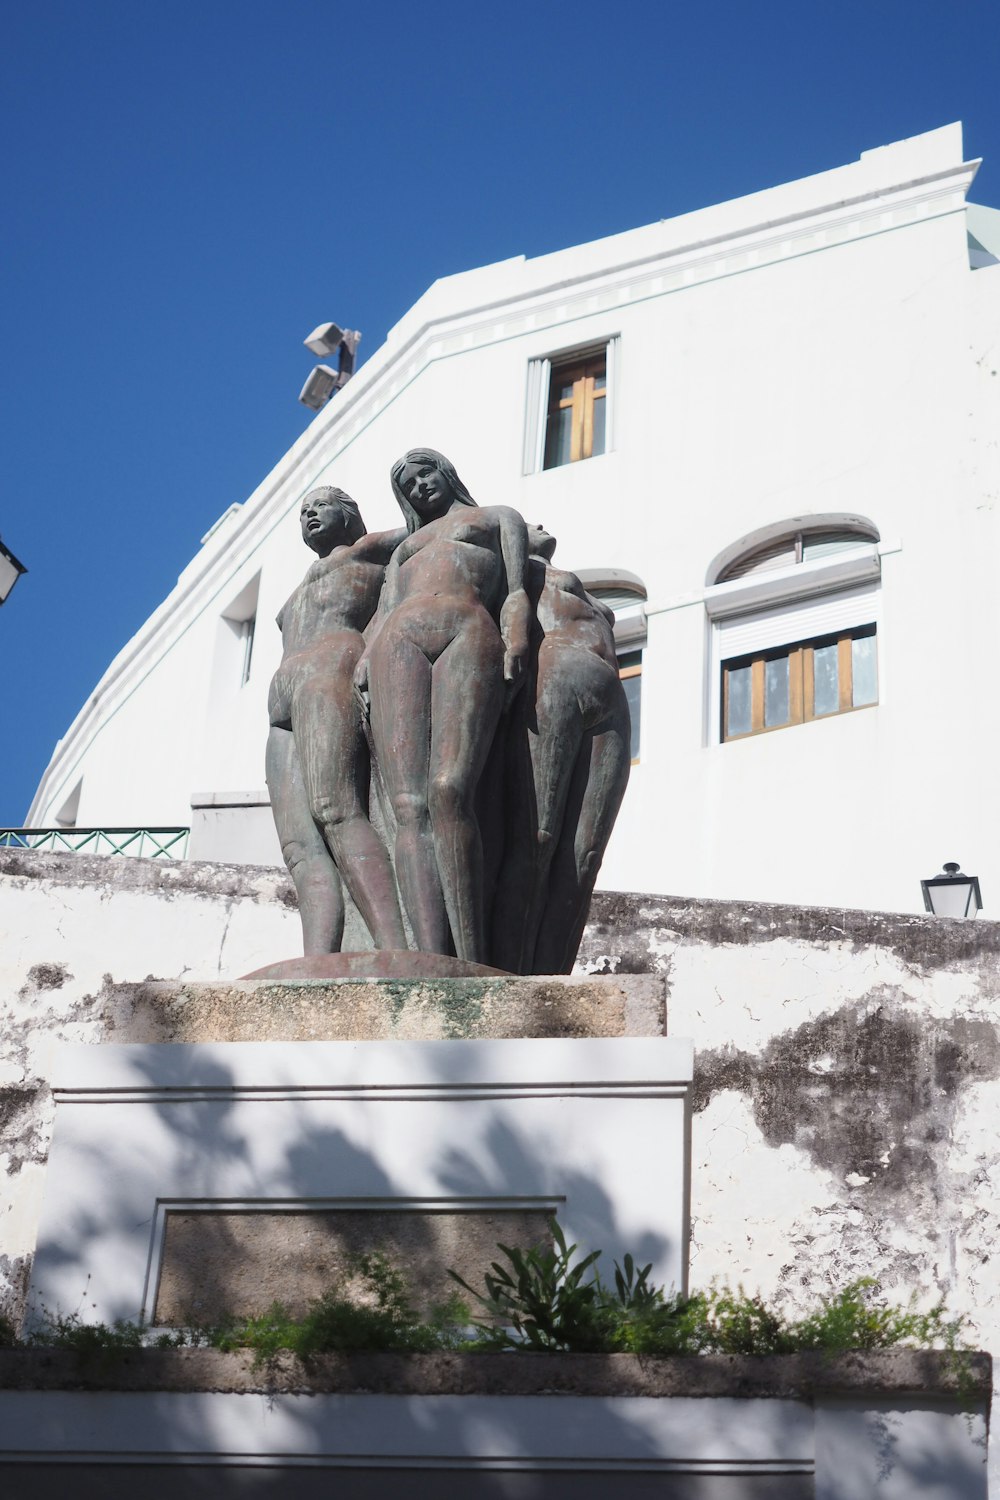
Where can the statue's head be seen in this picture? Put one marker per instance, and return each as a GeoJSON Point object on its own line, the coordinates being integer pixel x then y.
{"type": "Point", "coordinates": [426, 486]}
{"type": "Point", "coordinates": [541, 543]}
{"type": "Point", "coordinates": [329, 518]}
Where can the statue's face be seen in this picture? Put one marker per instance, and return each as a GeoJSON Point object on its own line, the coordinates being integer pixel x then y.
{"type": "Point", "coordinates": [324, 524]}
{"type": "Point", "coordinates": [541, 543]}
{"type": "Point", "coordinates": [427, 490]}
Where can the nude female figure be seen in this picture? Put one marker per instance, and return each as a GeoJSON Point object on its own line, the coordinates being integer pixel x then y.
{"type": "Point", "coordinates": [568, 762]}
{"type": "Point", "coordinates": [318, 768]}
{"type": "Point", "coordinates": [448, 644]}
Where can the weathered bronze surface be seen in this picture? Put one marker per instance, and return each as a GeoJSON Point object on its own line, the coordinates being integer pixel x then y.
{"type": "Point", "coordinates": [487, 701]}
{"type": "Point", "coordinates": [318, 770]}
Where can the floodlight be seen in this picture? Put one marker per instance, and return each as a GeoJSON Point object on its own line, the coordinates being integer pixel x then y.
{"type": "Point", "coordinates": [325, 339]}
{"type": "Point", "coordinates": [319, 387]}
{"type": "Point", "coordinates": [10, 572]}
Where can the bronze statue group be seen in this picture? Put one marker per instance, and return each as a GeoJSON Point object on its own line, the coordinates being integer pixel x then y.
{"type": "Point", "coordinates": [450, 672]}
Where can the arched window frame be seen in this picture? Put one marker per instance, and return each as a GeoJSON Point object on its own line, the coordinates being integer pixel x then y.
{"type": "Point", "coordinates": [787, 605]}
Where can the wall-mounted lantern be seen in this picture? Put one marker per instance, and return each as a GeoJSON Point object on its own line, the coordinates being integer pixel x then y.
{"type": "Point", "coordinates": [952, 894]}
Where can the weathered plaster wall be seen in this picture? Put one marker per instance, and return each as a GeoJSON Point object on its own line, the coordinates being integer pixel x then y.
{"type": "Point", "coordinates": [847, 1075]}
{"type": "Point", "coordinates": [847, 1084]}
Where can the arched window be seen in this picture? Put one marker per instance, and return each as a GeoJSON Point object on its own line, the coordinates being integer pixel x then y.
{"type": "Point", "coordinates": [625, 593]}
{"type": "Point", "coordinates": [794, 609]}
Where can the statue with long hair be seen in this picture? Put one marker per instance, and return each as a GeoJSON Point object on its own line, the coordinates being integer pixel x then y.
{"type": "Point", "coordinates": [446, 650]}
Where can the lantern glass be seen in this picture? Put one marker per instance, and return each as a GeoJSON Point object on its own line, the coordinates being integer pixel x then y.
{"type": "Point", "coordinates": [952, 894]}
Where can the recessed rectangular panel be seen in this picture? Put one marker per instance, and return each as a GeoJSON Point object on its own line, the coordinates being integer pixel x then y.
{"type": "Point", "coordinates": [218, 1264]}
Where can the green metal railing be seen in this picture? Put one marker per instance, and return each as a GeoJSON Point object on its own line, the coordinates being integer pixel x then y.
{"type": "Point", "coordinates": [148, 843]}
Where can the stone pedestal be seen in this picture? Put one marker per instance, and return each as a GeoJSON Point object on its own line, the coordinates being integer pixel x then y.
{"type": "Point", "coordinates": [196, 1173]}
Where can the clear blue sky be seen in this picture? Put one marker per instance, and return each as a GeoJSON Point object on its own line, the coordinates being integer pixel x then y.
{"type": "Point", "coordinates": [189, 188]}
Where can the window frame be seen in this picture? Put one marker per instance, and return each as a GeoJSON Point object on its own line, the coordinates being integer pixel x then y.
{"type": "Point", "coordinates": [801, 681]}
{"type": "Point", "coordinates": [543, 371]}
{"type": "Point", "coordinates": [581, 378]}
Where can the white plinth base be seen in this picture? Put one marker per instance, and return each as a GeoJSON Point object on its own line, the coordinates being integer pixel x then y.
{"type": "Point", "coordinates": [593, 1130]}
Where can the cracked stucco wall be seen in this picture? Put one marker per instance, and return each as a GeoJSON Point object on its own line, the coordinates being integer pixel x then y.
{"type": "Point", "coordinates": [847, 1063]}
{"type": "Point", "coordinates": [847, 1076]}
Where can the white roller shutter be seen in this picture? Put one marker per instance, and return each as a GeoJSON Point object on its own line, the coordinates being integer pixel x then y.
{"type": "Point", "coordinates": [800, 620]}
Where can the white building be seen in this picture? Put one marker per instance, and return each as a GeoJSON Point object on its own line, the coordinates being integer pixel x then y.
{"type": "Point", "coordinates": [783, 423]}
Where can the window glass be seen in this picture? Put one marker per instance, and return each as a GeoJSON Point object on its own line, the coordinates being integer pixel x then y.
{"type": "Point", "coordinates": [738, 679]}
{"type": "Point", "coordinates": [776, 692]}
{"type": "Point", "coordinates": [864, 670]}
{"type": "Point", "coordinates": [630, 672]}
{"type": "Point", "coordinates": [633, 693]}
{"type": "Point", "coordinates": [600, 411]}
{"type": "Point", "coordinates": [558, 437]}
{"type": "Point", "coordinates": [826, 683]}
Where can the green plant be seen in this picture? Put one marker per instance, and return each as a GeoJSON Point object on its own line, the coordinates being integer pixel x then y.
{"type": "Point", "coordinates": [335, 1322]}
{"type": "Point", "coordinates": [858, 1317]}
{"type": "Point", "coordinates": [541, 1301]}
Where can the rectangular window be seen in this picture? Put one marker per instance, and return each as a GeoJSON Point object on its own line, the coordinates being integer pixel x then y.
{"type": "Point", "coordinates": [575, 424]}
{"type": "Point", "coordinates": [570, 410]}
{"type": "Point", "coordinates": [630, 672]}
{"type": "Point", "coordinates": [792, 684]}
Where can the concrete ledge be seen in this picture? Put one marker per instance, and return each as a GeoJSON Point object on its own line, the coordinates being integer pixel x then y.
{"type": "Point", "coordinates": [388, 1009]}
{"type": "Point", "coordinates": [787, 1377]}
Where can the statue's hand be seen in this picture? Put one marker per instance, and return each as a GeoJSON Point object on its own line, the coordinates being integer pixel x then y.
{"type": "Point", "coordinates": [513, 675]}
{"type": "Point", "coordinates": [361, 691]}
{"type": "Point", "coordinates": [515, 627]}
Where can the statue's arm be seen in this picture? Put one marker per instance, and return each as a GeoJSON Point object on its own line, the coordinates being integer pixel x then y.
{"type": "Point", "coordinates": [516, 612]}
{"type": "Point", "coordinates": [386, 604]}
{"type": "Point", "coordinates": [380, 545]}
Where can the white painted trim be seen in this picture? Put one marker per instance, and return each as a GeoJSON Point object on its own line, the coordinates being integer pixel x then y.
{"type": "Point", "coordinates": [779, 586]}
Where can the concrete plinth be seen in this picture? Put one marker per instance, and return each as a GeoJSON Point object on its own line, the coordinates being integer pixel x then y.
{"type": "Point", "coordinates": [410, 1009]}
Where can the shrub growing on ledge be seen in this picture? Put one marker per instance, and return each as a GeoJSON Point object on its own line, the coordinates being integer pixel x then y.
{"type": "Point", "coordinates": [538, 1299]}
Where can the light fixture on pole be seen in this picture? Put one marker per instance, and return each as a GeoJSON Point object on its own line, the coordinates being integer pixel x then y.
{"type": "Point", "coordinates": [952, 894]}
{"type": "Point", "coordinates": [10, 572]}
{"type": "Point", "coordinates": [328, 339]}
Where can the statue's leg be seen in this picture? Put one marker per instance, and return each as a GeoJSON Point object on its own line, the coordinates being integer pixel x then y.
{"type": "Point", "coordinates": [310, 864]}
{"type": "Point", "coordinates": [516, 878]}
{"type": "Point", "coordinates": [595, 795]}
{"type": "Point", "coordinates": [554, 748]}
{"type": "Point", "coordinates": [400, 683]}
{"type": "Point", "coordinates": [336, 768]}
{"type": "Point", "coordinates": [466, 699]}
